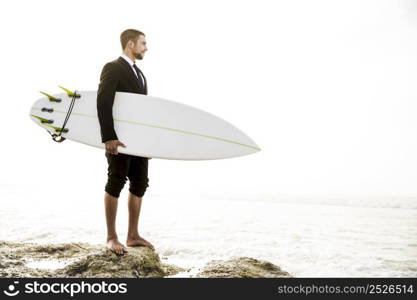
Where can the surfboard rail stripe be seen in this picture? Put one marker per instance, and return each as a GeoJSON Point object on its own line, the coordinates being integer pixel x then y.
{"type": "Point", "coordinates": [162, 127]}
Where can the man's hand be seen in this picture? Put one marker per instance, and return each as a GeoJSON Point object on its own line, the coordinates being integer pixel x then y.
{"type": "Point", "coordinates": [111, 146]}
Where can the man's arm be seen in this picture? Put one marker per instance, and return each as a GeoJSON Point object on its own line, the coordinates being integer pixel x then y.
{"type": "Point", "coordinates": [105, 99]}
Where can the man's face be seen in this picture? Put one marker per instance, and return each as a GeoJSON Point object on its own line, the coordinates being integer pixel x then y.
{"type": "Point", "coordinates": [139, 49]}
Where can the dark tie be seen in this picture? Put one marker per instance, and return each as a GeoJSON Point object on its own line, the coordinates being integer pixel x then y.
{"type": "Point", "coordinates": [138, 74]}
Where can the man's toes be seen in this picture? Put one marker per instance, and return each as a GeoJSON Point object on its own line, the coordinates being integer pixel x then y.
{"type": "Point", "coordinates": [151, 246]}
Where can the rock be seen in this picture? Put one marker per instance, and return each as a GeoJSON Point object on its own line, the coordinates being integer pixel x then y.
{"type": "Point", "coordinates": [139, 262]}
{"type": "Point", "coordinates": [80, 260]}
{"type": "Point", "coordinates": [241, 267]}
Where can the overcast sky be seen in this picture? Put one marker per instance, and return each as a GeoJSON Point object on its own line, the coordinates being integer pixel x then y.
{"type": "Point", "coordinates": [327, 89]}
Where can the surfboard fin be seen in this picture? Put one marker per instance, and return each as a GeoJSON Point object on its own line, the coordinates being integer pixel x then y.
{"type": "Point", "coordinates": [50, 97]}
{"type": "Point", "coordinates": [57, 129]}
{"type": "Point", "coordinates": [70, 93]}
{"type": "Point", "coordinates": [43, 120]}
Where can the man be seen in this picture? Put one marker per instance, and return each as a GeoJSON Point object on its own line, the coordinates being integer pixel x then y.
{"type": "Point", "coordinates": [122, 75]}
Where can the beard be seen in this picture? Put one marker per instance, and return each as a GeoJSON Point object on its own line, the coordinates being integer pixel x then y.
{"type": "Point", "coordinates": [138, 55]}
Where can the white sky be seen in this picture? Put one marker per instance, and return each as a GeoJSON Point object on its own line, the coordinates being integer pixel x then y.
{"type": "Point", "coordinates": [327, 89]}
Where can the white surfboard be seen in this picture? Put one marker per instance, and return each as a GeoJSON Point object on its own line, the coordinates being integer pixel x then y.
{"type": "Point", "coordinates": [148, 126]}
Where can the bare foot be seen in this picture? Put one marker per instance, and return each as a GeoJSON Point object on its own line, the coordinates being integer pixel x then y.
{"type": "Point", "coordinates": [114, 245]}
{"type": "Point", "coordinates": [138, 241]}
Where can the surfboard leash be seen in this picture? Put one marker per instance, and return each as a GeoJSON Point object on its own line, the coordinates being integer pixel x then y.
{"type": "Point", "coordinates": [57, 137]}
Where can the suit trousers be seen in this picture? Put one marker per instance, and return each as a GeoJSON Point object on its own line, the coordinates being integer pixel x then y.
{"type": "Point", "coordinates": [122, 166]}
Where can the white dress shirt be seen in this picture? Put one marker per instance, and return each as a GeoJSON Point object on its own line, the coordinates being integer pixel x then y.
{"type": "Point", "coordinates": [127, 58]}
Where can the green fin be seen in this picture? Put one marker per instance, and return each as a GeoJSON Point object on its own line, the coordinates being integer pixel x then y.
{"type": "Point", "coordinates": [70, 93]}
{"type": "Point", "coordinates": [57, 129]}
{"type": "Point", "coordinates": [50, 97]}
{"type": "Point", "coordinates": [43, 120]}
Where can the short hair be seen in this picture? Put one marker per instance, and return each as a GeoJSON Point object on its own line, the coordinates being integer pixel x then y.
{"type": "Point", "coordinates": [130, 35]}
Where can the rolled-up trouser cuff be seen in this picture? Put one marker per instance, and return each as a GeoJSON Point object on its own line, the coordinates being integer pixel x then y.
{"type": "Point", "coordinates": [114, 186]}
{"type": "Point", "coordinates": [138, 188]}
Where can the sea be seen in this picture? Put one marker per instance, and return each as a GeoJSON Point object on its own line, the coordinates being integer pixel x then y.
{"type": "Point", "coordinates": [307, 237]}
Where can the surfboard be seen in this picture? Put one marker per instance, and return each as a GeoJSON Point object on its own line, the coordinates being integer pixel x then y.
{"type": "Point", "coordinates": [149, 126]}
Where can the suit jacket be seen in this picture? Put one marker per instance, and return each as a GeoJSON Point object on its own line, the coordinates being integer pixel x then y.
{"type": "Point", "coordinates": [116, 76]}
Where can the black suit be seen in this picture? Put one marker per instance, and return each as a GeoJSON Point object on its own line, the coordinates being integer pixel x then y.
{"type": "Point", "coordinates": [116, 76]}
